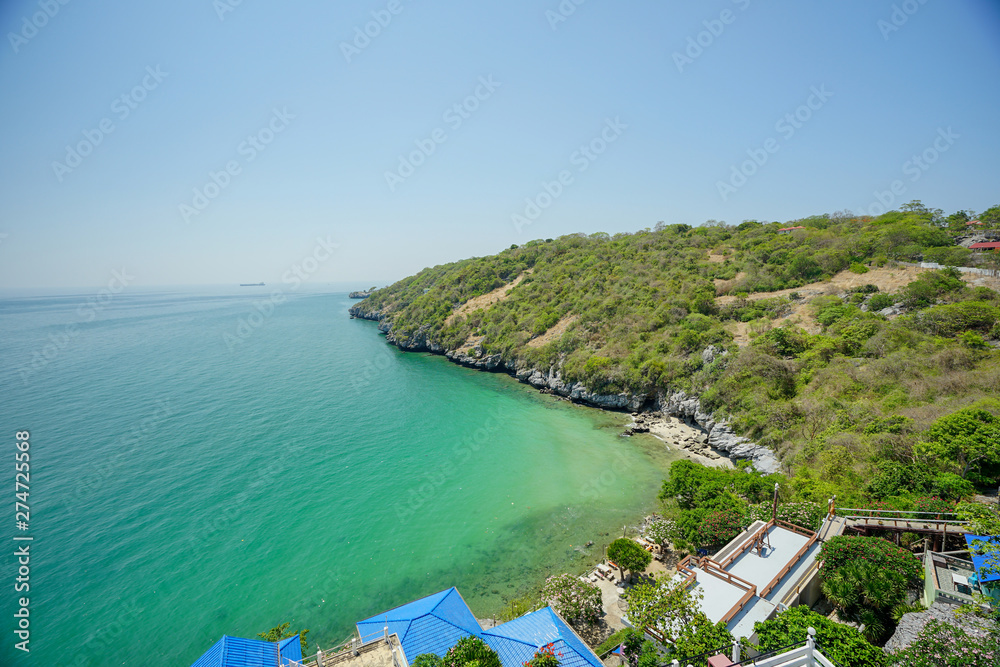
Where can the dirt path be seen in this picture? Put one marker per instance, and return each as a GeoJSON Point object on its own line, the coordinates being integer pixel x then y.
{"type": "Point", "coordinates": [488, 299]}
{"type": "Point", "coordinates": [554, 332]}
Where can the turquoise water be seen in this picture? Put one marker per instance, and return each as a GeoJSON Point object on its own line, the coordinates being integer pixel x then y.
{"type": "Point", "coordinates": [192, 478]}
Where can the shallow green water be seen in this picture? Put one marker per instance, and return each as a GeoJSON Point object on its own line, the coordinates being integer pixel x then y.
{"type": "Point", "coordinates": [183, 488]}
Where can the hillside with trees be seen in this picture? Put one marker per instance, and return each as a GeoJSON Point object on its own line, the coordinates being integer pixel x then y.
{"type": "Point", "coordinates": [860, 392]}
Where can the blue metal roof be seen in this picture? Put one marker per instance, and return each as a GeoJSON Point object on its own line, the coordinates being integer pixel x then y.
{"type": "Point", "coordinates": [239, 652]}
{"type": "Point", "coordinates": [516, 641]}
{"type": "Point", "coordinates": [290, 649]}
{"type": "Point", "coordinates": [435, 623]}
{"type": "Point", "coordinates": [980, 562]}
{"type": "Point", "coordinates": [429, 625]}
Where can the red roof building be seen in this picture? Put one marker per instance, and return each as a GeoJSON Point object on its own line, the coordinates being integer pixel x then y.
{"type": "Point", "coordinates": [973, 222]}
{"type": "Point", "coordinates": [788, 230]}
{"type": "Point", "coordinates": [992, 245]}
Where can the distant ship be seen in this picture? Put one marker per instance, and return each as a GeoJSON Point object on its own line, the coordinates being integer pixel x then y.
{"type": "Point", "coordinates": [251, 284]}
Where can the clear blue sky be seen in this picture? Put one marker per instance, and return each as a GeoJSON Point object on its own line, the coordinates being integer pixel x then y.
{"type": "Point", "coordinates": [887, 94]}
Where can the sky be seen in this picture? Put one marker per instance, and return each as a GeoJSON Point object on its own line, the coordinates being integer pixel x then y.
{"type": "Point", "coordinates": [227, 141]}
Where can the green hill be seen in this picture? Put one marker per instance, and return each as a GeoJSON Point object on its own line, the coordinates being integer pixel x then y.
{"type": "Point", "coordinates": [737, 316]}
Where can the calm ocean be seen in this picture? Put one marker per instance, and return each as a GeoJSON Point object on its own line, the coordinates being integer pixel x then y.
{"type": "Point", "coordinates": [202, 467]}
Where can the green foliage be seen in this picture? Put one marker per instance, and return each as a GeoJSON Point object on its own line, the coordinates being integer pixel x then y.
{"type": "Point", "coordinates": [427, 660]}
{"type": "Point", "coordinates": [662, 531]}
{"type": "Point", "coordinates": [963, 441]}
{"type": "Point", "coordinates": [471, 652]}
{"type": "Point", "coordinates": [629, 555]}
{"type": "Point", "coordinates": [697, 637]}
{"type": "Point", "coordinates": [578, 601]}
{"type": "Point", "coordinates": [720, 526]}
{"type": "Point", "coordinates": [880, 301]}
{"type": "Point", "coordinates": [842, 550]}
{"type": "Point", "coordinates": [930, 286]}
{"type": "Point", "coordinates": [612, 642]}
{"type": "Point", "coordinates": [663, 604]}
{"type": "Point", "coordinates": [842, 644]}
{"type": "Point", "coordinates": [279, 632]}
{"type": "Point", "coordinates": [950, 319]}
{"type": "Point", "coordinates": [808, 515]}
{"type": "Point", "coordinates": [858, 268]}
{"type": "Point", "coordinates": [866, 578]}
{"type": "Point", "coordinates": [638, 651]}
{"type": "Point", "coordinates": [942, 644]}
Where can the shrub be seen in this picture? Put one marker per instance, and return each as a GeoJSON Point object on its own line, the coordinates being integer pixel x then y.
{"type": "Point", "coordinates": [427, 660]}
{"type": "Point", "coordinates": [931, 506]}
{"type": "Point", "coordinates": [840, 643]}
{"type": "Point", "coordinates": [719, 527]}
{"type": "Point", "coordinates": [546, 656]}
{"type": "Point", "coordinates": [845, 549]}
{"type": "Point", "coordinates": [951, 486]}
{"type": "Point", "coordinates": [858, 268]}
{"type": "Point", "coordinates": [945, 645]}
{"type": "Point", "coordinates": [808, 515]}
{"type": "Point", "coordinates": [879, 301]}
{"type": "Point", "coordinates": [661, 531]}
{"type": "Point", "coordinates": [954, 318]}
{"type": "Point", "coordinates": [471, 652]}
{"type": "Point", "coordinates": [577, 601]}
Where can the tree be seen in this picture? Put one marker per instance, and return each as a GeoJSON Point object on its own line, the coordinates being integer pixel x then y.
{"type": "Point", "coordinates": [279, 632]}
{"type": "Point", "coordinates": [471, 652]}
{"type": "Point", "coordinates": [427, 660]}
{"type": "Point", "coordinates": [840, 643]}
{"type": "Point", "coordinates": [628, 555]}
{"type": "Point", "coordinates": [577, 601]}
{"type": "Point", "coordinates": [965, 439]}
{"type": "Point", "coordinates": [700, 636]}
{"type": "Point", "coordinates": [666, 605]}
{"type": "Point", "coordinates": [866, 578]}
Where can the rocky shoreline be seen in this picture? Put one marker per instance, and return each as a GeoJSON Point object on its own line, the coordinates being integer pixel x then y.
{"type": "Point", "coordinates": [717, 436]}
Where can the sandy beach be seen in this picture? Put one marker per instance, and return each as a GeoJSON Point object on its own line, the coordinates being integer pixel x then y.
{"type": "Point", "coordinates": [678, 435]}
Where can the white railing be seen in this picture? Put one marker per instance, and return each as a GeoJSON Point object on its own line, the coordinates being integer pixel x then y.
{"type": "Point", "coordinates": [805, 656]}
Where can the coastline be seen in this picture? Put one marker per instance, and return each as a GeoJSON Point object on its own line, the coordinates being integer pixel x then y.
{"type": "Point", "coordinates": [719, 437]}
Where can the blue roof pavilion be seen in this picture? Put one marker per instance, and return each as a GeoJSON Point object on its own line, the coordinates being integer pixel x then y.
{"type": "Point", "coordinates": [982, 561]}
{"type": "Point", "coordinates": [516, 641]}
{"type": "Point", "coordinates": [239, 652]}
{"type": "Point", "coordinates": [429, 625]}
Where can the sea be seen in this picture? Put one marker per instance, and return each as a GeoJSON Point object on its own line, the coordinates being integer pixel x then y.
{"type": "Point", "coordinates": [209, 461]}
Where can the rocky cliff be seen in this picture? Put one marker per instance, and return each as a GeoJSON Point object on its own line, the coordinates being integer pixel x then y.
{"type": "Point", "coordinates": [675, 404]}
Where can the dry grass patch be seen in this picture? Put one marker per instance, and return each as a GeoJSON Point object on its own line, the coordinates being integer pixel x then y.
{"type": "Point", "coordinates": [554, 332]}
{"type": "Point", "coordinates": [488, 299]}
